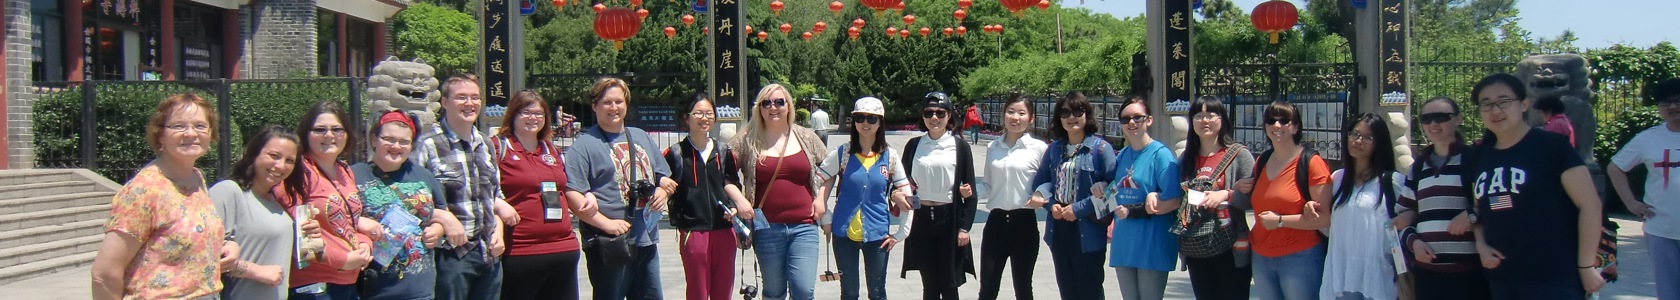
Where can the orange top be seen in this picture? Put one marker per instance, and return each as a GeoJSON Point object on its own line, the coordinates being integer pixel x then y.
{"type": "Point", "coordinates": [1279, 196]}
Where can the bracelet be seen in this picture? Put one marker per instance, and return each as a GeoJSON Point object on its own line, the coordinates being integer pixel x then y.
{"type": "Point", "coordinates": [1587, 267]}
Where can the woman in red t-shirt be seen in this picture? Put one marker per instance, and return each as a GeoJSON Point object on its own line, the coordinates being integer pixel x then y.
{"type": "Point", "coordinates": [542, 257]}
{"type": "Point", "coordinates": [1290, 264]}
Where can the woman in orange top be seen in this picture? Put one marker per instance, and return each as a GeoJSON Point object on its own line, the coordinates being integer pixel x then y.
{"type": "Point", "coordinates": [1290, 264]}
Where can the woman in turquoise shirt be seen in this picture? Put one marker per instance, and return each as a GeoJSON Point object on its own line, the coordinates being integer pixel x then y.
{"type": "Point", "coordinates": [1145, 191]}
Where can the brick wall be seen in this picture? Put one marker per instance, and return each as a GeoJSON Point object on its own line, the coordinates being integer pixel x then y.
{"type": "Point", "coordinates": [282, 40]}
{"type": "Point", "coordinates": [19, 138]}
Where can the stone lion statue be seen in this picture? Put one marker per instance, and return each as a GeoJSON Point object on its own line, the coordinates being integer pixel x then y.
{"type": "Point", "coordinates": [405, 85]}
{"type": "Point", "coordinates": [1564, 75]}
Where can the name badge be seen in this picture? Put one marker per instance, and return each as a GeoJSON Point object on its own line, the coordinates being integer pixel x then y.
{"type": "Point", "coordinates": [552, 210]}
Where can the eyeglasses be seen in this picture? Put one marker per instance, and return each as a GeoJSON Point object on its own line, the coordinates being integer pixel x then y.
{"type": "Point", "coordinates": [1134, 119]}
{"type": "Point", "coordinates": [396, 141]}
{"type": "Point", "coordinates": [1360, 138]}
{"type": "Point", "coordinates": [1500, 105]}
{"type": "Point", "coordinates": [467, 98]}
{"type": "Point", "coordinates": [1206, 117]}
{"type": "Point", "coordinates": [703, 114]}
{"type": "Point", "coordinates": [1434, 118]}
{"type": "Point", "coordinates": [1071, 114]}
{"type": "Point", "coordinates": [182, 127]}
{"type": "Point", "coordinates": [934, 113]}
{"type": "Point", "coordinates": [778, 102]}
{"type": "Point", "coordinates": [1280, 121]}
{"type": "Point", "coordinates": [534, 115]}
{"type": "Point", "coordinates": [863, 118]}
{"type": "Point", "coordinates": [326, 131]}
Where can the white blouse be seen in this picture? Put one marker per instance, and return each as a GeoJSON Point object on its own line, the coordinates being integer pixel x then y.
{"type": "Point", "coordinates": [935, 168]}
{"type": "Point", "coordinates": [1358, 258]}
{"type": "Point", "coordinates": [1009, 172]}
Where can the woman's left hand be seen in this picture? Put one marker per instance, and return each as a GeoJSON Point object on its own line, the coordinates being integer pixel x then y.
{"type": "Point", "coordinates": [1591, 280]}
{"type": "Point", "coordinates": [967, 190]}
{"type": "Point", "coordinates": [962, 238]}
{"type": "Point", "coordinates": [230, 254]}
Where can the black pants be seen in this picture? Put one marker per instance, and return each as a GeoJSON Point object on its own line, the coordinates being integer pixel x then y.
{"type": "Point", "coordinates": [1218, 277]}
{"type": "Point", "coordinates": [1467, 285]}
{"type": "Point", "coordinates": [937, 293]}
{"type": "Point", "coordinates": [1561, 288]}
{"type": "Point", "coordinates": [933, 244]}
{"type": "Point", "coordinates": [542, 276]}
{"type": "Point", "coordinates": [1010, 235]}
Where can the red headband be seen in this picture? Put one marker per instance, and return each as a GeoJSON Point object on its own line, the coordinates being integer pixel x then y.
{"type": "Point", "coordinates": [398, 116]}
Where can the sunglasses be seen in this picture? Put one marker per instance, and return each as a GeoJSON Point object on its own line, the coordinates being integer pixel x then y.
{"type": "Point", "coordinates": [934, 113]}
{"type": "Point", "coordinates": [1280, 121]}
{"type": "Point", "coordinates": [862, 118]}
{"type": "Point", "coordinates": [325, 130]}
{"type": "Point", "coordinates": [778, 102]}
{"type": "Point", "coordinates": [1071, 114]}
{"type": "Point", "coordinates": [1434, 118]}
{"type": "Point", "coordinates": [1133, 119]}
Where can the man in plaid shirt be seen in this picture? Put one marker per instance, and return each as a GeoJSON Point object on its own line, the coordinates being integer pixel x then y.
{"type": "Point", "coordinates": [459, 157]}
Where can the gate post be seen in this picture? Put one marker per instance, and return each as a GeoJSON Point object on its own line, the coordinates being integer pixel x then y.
{"type": "Point", "coordinates": [1381, 52]}
{"type": "Point", "coordinates": [1170, 53]}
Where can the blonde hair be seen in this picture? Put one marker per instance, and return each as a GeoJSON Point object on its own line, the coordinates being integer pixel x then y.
{"type": "Point", "coordinates": [752, 135]}
{"type": "Point", "coordinates": [599, 89]}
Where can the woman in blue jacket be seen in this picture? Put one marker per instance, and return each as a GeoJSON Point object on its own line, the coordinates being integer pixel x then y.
{"type": "Point", "coordinates": [1075, 170]}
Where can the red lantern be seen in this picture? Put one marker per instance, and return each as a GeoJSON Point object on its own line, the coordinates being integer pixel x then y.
{"type": "Point", "coordinates": [749, 29]}
{"type": "Point", "coordinates": [878, 5]}
{"type": "Point", "coordinates": [857, 23]}
{"type": "Point", "coordinates": [819, 27]}
{"type": "Point", "coordinates": [836, 7]}
{"type": "Point", "coordinates": [891, 31]}
{"type": "Point", "coordinates": [763, 36]}
{"type": "Point", "coordinates": [903, 33]}
{"type": "Point", "coordinates": [1273, 17]}
{"type": "Point", "coordinates": [559, 4]}
{"type": "Point", "coordinates": [986, 29]}
{"type": "Point", "coordinates": [670, 32]}
{"type": "Point", "coordinates": [997, 28]}
{"type": "Point", "coordinates": [776, 7]}
{"type": "Point", "coordinates": [947, 31]}
{"type": "Point", "coordinates": [909, 20]}
{"type": "Point", "coordinates": [853, 32]}
{"type": "Point", "coordinates": [688, 20]}
{"type": "Point", "coordinates": [706, 30]}
{"type": "Point", "coordinates": [785, 28]}
{"type": "Point", "coordinates": [924, 31]}
{"type": "Point", "coordinates": [599, 7]}
{"type": "Point", "coordinates": [635, 3]}
{"type": "Point", "coordinates": [1016, 6]}
{"type": "Point", "coordinates": [617, 25]}
{"type": "Point", "coordinates": [641, 14]}
{"type": "Point", "coordinates": [899, 7]}
{"type": "Point", "coordinates": [960, 15]}
{"type": "Point", "coordinates": [965, 4]}
{"type": "Point", "coordinates": [806, 36]}
{"type": "Point", "coordinates": [962, 30]}
{"type": "Point", "coordinates": [1043, 4]}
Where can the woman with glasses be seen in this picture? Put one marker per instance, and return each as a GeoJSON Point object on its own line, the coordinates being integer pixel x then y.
{"type": "Point", "coordinates": [330, 192]}
{"type": "Point", "coordinates": [1075, 170]}
{"type": "Point", "coordinates": [941, 168]}
{"type": "Point", "coordinates": [1288, 191]}
{"type": "Point", "coordinates": [1439, 240]}
{"type": "Point", "coordinates": [402, 197]}
{"type": "Point", "coordinates": [872, 187]}
{"type": "Point", "coordinates": [1012, 226]}
{"type": "Point", "coordinates": [1217, 270]}
{"type": "Point", "coordinates": [543, 251]}
{"type": "Point", "coordinates": [1358, 264]}
{"type": "Point", "coordinates": [1538, 213]}
{"type": "Point", "coordinates": [164, 239]}
{"type": "Point", "coordinates": [778, 168]}
{"type": "Point", "coordinates": [707, 199]}
{"type": "Point", "coordinates": [1144, 191]}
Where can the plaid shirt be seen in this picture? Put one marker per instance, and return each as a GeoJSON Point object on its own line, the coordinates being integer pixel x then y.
{"type": "Point", "coordinates": [469, 177]}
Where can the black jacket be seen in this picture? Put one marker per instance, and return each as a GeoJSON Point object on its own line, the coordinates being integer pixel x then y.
{"type": "Point", "coordinates": [700, 186]}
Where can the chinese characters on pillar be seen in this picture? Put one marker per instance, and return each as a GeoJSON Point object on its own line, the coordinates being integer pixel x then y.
{"type": "Point", "coordinates": [727, 46]}
{"type": "Point", "coordinates": [1392, 46]}
{"type": "Point", "coordinates": [497, 74]}
{"type": "Point", "coordinates": [1177, 101]}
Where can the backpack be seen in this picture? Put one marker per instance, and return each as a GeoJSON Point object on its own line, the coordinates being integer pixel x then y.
{"type": "Point", "coordinates": [1302, 167]}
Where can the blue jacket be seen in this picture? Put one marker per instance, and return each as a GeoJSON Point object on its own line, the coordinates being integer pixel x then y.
{"type": "Point", "coordinates": [1095, 163]}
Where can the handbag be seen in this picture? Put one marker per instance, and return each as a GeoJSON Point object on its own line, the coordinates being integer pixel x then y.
{"type": "Point", "coordinates": [1200, 234]}
{"type": "Point", "coordinates": [620, 249]}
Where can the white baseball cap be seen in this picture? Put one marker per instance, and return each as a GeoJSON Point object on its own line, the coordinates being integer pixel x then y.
{"type": "Point", "coordinates": [869, 105]}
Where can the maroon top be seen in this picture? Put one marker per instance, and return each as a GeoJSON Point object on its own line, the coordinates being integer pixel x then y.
{"type": "Point", "coordinates": [791, 203]}
{"type": "Point", "coordinates": [523, 174]}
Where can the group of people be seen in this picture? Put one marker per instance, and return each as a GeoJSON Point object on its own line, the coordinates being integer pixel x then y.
{"type": "Point", "coordinates": [453, 213]}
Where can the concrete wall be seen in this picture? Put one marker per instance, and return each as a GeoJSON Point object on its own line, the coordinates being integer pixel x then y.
{"type": "Point", "coordinates": [280, 39]}
{"type": "Point", "coordinates": [18, 136]}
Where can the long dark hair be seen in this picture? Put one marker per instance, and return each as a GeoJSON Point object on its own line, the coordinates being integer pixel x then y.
{"type": "Point", "coordinates": [1380, 162]}
{"type": "Point", "coordinates": [244, 170]}
{"type": "Point", "coordinates": [1193, 144]}
{"type": "Point", "coordinates": [352, 135]}
{"type": "Point", "coordinates": [1518, 88]}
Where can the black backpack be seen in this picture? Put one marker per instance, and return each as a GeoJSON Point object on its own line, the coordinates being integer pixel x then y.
{"type": "Point", "coordinates": [1302, 167]}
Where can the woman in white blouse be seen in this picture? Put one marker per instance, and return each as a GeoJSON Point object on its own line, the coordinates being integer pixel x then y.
{"type": "Point", "coordinates": [1013, 226]}
{"type": "Point", "coordinates": [1358, 264]}
{"type": "Point", "coordinates": [941, 168]}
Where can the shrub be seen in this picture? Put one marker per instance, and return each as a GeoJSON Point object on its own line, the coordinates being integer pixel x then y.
{"type": "Point", "coordinates": [802, 117]}
{"type": "Point", "coordinates": [1615, 133]}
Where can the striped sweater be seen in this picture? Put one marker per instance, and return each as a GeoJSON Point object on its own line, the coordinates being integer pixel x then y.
{"type": "Point", "coordinates": [1439, 195]}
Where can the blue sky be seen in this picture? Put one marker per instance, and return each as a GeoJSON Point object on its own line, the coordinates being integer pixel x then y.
{"type": "Point", "coordinates": [1598, 23]}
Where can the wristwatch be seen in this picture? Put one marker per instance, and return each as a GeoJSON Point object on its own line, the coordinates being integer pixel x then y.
{"type": "Point", "coordinates": [1471, 216]}
{"type": "Point", "coordinates": [1280, 222]}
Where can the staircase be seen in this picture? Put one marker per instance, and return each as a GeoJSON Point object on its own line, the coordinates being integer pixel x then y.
{"type": "Point", "coordinates": [50, 220]}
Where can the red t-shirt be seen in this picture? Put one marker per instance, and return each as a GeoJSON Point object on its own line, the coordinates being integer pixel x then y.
{"type": "Point", "coordinates": [1205, 165]}
{"type": "Point", "coordinates": [791, 201]}
{"type": "Point", "coordinates": [1278, 195]}
{"type": "Point", "coordinates": [523, 174]}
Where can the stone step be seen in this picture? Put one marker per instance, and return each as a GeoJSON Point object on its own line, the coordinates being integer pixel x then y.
{"type": "Point", "coordinates": [27, 190]}
{"type": "Point", "coordinates": [15, 177]}
{"type": "Point", "coordinates": [15, 221]}
{"type": "Point", "coordinates": [42, 234]}
{"type": "Point", "coordinates": [54, 201]}
{"type": "Point", "coordinates": [41, 251]}
{"type": "Point", "coordinates": [47, 266]}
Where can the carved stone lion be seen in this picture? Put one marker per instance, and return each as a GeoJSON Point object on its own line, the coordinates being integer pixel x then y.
{"type": "Point", "coordinates": [1564, 75]}
{"type": "Point", "coordinates": [405, 85]}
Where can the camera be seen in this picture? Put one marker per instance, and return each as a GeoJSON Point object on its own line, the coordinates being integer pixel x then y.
{"type": "Point", "coordinates": [641, 189]}
{"type": "Point", "coordinates": [749, 292]}
{"type": "Point", "coordinates": [830, 276]}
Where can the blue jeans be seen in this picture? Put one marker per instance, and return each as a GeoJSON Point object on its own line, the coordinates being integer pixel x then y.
{"type": "Point", "coordinates": [1079, 274]}
{"type": "Point", "coordinates": [1296, 276]}
{"type": "Point", "coordinates": [1665, 260]}
{"type": "Point", "coordinates": [468, 276]}
{"type": "Point", "coordinates": [788, 254]}
{"type": "Point", "coordinates": [333, 292]}
{"type": "Point", "coordinates": [636, 280]}
{"type": "Point", "coordinates": [875, 267]}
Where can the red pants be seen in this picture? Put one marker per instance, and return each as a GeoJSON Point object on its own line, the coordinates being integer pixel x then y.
{"type": "Point", "coordinates": [708, 263]}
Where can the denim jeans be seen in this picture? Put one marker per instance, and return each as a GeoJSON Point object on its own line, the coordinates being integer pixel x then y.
{"type": "Point", "coordinates": [332, 292]}
{"type": "Point", "coordinates": [875, 267]}
{"type": "Point", "coordinates": [1665, 260]}
{"type": "Point", "coordinates": [468, 276]}
{"type": "Point", "coordinates": [636, 280]}
{"type": "Point", "coordinates": [1296, 276]}
{"type": "Point", "coordinates": [1141, 284]}
{"type": "Point", "coordinates": [788, 255]}
{"type": "Point", "coordinates": [1079, 274]}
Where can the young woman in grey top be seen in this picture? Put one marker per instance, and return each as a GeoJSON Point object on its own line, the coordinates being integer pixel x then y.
{"type": "Point", "coordinates": [255, 220]}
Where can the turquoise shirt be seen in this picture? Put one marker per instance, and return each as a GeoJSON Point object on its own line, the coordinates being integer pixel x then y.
{"type": "Point", "coordinates": [1143, 241]}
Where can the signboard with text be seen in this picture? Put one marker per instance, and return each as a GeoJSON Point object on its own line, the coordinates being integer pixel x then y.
{"type": "Point", "coordinates": [498, 33]}
{"type": "Point", "coordinates": [728, 48]}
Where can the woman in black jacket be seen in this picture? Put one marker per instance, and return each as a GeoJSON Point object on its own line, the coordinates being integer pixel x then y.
{"type": "Point", "coordinates": [942, 164]}
{"type": "Point", "coordinates": [703, 204]}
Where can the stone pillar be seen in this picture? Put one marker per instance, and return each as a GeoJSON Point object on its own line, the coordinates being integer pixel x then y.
{"type": "Point", "coordinates": [73, 39]}
{"type": "Point", "coordinates": [17, 134]}
{"type": "Point", "coordinates": [1172, 69]}
{"type": "Point", "coordinates": [280, 38]}
{"type": "Point", "coordinates": [166, 11]}
{"type": "Point", "coordinates": [232, 47]}
{"type": "Point", "coordinates": [381, 40]}
{"type": "Point", "coordinates": [1381, 51]}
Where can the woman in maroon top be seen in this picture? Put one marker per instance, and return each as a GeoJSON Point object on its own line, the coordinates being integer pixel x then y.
{"type": "Point", "coordinates": [542, 258]}
{"type": "Point", "coordinates": [777, 160]}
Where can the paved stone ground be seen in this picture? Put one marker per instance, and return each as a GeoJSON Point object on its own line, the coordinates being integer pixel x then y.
{"type": "Point", "coordinates": [1636, 281]}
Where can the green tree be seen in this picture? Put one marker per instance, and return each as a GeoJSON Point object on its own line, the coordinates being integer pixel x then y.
{"type": "Point", "coordinates": [447, 39]}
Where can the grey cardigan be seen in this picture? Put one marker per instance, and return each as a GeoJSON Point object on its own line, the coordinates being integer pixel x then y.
{"type": "Point", "coordinates": [1242, 167]}
{"type": "Point", "coordinates": [813, 147]}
